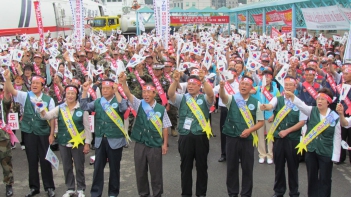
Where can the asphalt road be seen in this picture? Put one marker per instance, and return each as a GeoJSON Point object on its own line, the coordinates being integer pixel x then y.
{"type": "Point", "coordinates": [263, 174]}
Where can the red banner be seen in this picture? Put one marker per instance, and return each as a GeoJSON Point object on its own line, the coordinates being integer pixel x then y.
{"type": "Point", "coordinates": [274, 17]}
{"type": "Point", "coordinates": [242, 18]}
{"type": "Point", "coordinates": [258, 19]}
{"type": "Point", "coordinates": [286, 29]}
{"type": "Point", "coordinates": [286, 16]}
{"type": "Point", "coordinates": [199, 19]}
{"type": "Point", "coordinates": [39, 23]}
{"type": "Point", "coordinates": [274, 33]}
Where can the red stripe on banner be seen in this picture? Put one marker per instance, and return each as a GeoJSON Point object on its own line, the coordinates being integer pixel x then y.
{"type": "Point", "coordinates": [30, 30]}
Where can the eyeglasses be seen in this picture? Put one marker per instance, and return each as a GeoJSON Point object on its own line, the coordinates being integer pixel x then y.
{"type": "Point", "coordinates": [81, 56]}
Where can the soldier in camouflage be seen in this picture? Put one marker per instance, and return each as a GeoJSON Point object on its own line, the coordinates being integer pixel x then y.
{"type": "Point", "coordinates": [5, 149]}
{"type": "Point", "coordinates": [171, 110]}
{"type": "Point", "coordinates": [158, 72]}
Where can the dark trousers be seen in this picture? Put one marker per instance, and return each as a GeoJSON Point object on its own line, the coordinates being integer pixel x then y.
{"type": "Point", "coordinates": [145, 159]}
{"type": "Point", "coordinates": [319, 174]}
{"type": "Point", "coordinates": [223, 116]}
{"type": "Point", "coordinates": [239, 148]}
{"type": "Point", "coordinates": [193, 147]}
{"type": "Point", "coordinates": [284, 151]}
{"type": "Point", "coordinates": [36, 149]}
{"type": "Point", "coordinates": [73, 156]}
{"type": "Point", "coordinates": [346, 136]}
{"type": "Point", "coordinates": [114, 157]}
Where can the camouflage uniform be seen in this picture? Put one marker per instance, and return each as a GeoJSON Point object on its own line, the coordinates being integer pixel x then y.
{"type": "Point", "coordinates": [135, 89]}
{"type": "Point", "coordinates": [172, 113]}
{"type": "Point", "coordinates": [5, 149]}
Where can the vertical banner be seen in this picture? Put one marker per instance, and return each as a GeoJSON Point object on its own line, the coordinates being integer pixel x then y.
{"type": "Point", "coordinates": [78, 20]}
{"type": "Point", "coordinates": [91, 123]}
{"type": "Point", "coordinates": [12, 120]}
{"type": "Point", "coordinates": [39, 23]}
{"type": "Point", "coordinates": [347, 53]}
{"type": "Point", "coordinates": [162, 20]}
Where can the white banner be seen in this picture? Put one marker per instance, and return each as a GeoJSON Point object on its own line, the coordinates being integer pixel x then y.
{"type": "Point", "coordinates": [78, 20]}
{"type": "Point", "coordinates": [91, 123]}
{"type": "Point", "coordinates": [13, 121]}
{"type": "Point", "coordinates": [347, 53]}
{"type": "Point", "coordinates": [162, 20]}
{"type": "Point", "coordinates": [325, 18]}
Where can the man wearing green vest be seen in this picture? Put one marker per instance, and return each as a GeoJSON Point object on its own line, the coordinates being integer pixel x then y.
{"type": "Point", "coordinates": [285, 132]}
{"type": "Point", "coordinates": [36, 132]}
{"type": "Point", "coordinates": [240, 128]}
{"type": "Point", "coordinates": [150, 132]}
{"type": "Point", "coordinates": [110, 136]}
{"type": "Point", "coordinates": [194, 130]}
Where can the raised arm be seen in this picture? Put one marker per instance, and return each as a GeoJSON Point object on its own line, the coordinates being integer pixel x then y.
{"type": "Point", "coordinates": [122, 79]}
{"type": "Point", "coordinates": [222, 93]}
{"type": "Point", "coordinates": [173, 87]}
{"type": "Point", "coordinates": [8, 83]}
{"type": "Point", "coordinates": [207, 87]}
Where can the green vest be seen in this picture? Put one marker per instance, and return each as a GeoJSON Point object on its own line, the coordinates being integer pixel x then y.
{"type": "Point", "coordinates": [31, 121]}
{"type": "Point", "coordinates": [290, 120]}
{"type": "Point", "coordinates": [103, 123]}
{"type": "Point", "coordinates": [235, 124]}
{"type": "Point", "coordinates": [63, 135]}
{"type": "Point", "coordinates": [323, 143]}
{"type": "Point", "coordinates": [144, 131]}
{"type": "Point", "coordinates": [185, 112]}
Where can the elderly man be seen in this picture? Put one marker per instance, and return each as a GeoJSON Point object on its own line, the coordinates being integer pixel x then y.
{"type": "Point", "coordinates": [194, 130]}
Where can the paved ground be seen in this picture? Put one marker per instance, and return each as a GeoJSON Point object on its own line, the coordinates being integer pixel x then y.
{"type": "Point", "coordinates": [263, 174]}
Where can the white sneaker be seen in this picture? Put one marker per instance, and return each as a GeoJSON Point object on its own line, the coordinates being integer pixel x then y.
{"type": "Point", "coordinates": [269, 161]}
{"type": "Point", "coordinates": [81, 193]}
{"type": "Point", "coordinates": [261, 160]}
{"type": "Point", "coordinates": [68, 193]}
{"type": "Point", "coordinates": [23, 147]}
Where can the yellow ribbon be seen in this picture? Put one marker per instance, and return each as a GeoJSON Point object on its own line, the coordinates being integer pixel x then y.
{"type": "Point", "coordinates": [250, 123]}
{"type": "Point", "coordinates": [283, 112]}
{"type": "Point", "coordinates": [72, 129]}
{"type": "Point", "coordinates": [317, 130]}
{"type": "Point", "coordinates": [156, 121]}
{"type": "Point", "coordinates": [195, 109]}
{"type": "Point", "coordinates": [113, 115]}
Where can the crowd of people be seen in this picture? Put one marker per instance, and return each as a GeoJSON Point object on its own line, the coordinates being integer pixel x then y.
{"type": "Point", "coordinates": [285, 96]}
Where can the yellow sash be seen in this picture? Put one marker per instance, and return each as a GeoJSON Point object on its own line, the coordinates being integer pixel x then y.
{"type": "Point", "coordinates": [317, 130]}
{"type": "Point", "coordinates": [156, 121]}
{"type": "Point", "coordinates": [195, 109]}
{"type": "Point", "coordinates": [246, 114]}
{"type": "Point", "coordinates": [116, 119]}
{"type": "Point", "coordinates": [77, 138]}
{"type": "Point", "coordinates": [283, 112]}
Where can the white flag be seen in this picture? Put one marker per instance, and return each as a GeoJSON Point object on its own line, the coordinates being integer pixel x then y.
{"type": "Point", "coordinates": [344, 91]}
{"type": "Point", "coordinates": [135, 60]}
{"type": "Point", "coordinates": [52, 158]}
{"type": "Point", "coordinates": [282, 74]}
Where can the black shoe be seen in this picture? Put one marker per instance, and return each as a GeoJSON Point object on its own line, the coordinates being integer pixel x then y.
{"type": "Point", "coordinates": [338, 163]}
{"type": "Point", "coordinates": [32, 192]}
{"type": "Point", "coordinates": [222, 159]}
{"type": "Point", "coordinates": [233, 196]}
{"type": "Point", "coordinates": [51, 192]}
{"type": "Point", "coordinates": [275, 195]}
{"type": "Point", "coordinates": [9, 191]}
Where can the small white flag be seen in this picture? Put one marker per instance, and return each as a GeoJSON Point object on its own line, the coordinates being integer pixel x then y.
{"type": "Point", "coordinates": [344, 91]}
{"type": "Point", "coordinates": [52, 158]}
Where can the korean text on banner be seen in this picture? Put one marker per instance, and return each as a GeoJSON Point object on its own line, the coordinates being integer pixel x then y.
{"type": "Point", "coordinates": [325, 18]}
{"type": "Point", "coordinates": [13, 121]}
{"type": "Point", "coordinates": [39, 23]}
{"type": "Point", "coordinates": [199, 19]}
{"type": "Point", "coordinates": [162, 20]}
{"type": "Point", "coordinates": [78, 20]}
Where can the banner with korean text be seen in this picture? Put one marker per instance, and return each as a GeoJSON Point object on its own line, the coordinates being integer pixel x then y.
{"type": "Point", "coordinates": [199, 19]}
{"type": "Point", "coordinates": [275, 17]}
{"type": "Point", "coordinates": [162, 20]}
{"type": "Point", "coordinates": [325, 18]}
{"type": "Point", "coordinates": [39, 23]}
{"type": "Point", "coordinates": [78, 20]}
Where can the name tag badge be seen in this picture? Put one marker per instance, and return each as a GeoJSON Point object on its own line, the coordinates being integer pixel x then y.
{"type": "Point", "coordinates": [187, 123]}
